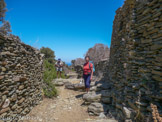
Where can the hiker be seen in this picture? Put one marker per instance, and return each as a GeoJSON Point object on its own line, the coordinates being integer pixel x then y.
{"type": "Point", "coordinates": [59, 65]}
{"type": "Point", "coordinates": [87, 73]}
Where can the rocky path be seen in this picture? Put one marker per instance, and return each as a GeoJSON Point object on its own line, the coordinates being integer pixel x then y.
{"type": "Point", "coordinates": [67, 107]}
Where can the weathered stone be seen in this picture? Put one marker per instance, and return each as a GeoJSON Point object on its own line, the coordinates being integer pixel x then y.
{"type": "Point", "coordinates": [21, 100]}
{"type": "Point", "coordinates": [102, 116]}
{"type": "Point", "coordinates": [21, 87]}
{"type": "Point", "coordinates": [1, 77]}
{"type": "Point", "coordinates": [5, 92]}
{"type": "Point", "coordinates": [8, 53]}
{"type": "Point", "coordinates": [14, 107]}
{"type": "Point", "coordinates": [3, 69]}
{"type": "Point", "coordinates": [58, 82]}
{"type": "Point", "coordinates": [13, 97]}
{"type": "Point", "coordinates": [21, 79]}
{"type": "Point", "coordinates": [4, 110]}
{"type": "Point", "coordinates": [79, 86]}
{"type": "Point", "coordinates": [126, 112]}
{"type": "Point", "coordinates": [69, 85]}
{"type": "Point", "coordinates": [92, 97]}
{"type": "Point", "coordinates": [6, 103]}
{"type": "Point", "coordinates": [97, 108]}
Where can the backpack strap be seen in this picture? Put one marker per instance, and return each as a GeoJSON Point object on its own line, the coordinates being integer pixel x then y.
{"type": "Point", "coordinates": [90, 65]}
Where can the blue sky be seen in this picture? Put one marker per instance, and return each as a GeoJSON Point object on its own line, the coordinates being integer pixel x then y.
{"type": "Point", "coordinates": [69, 27]}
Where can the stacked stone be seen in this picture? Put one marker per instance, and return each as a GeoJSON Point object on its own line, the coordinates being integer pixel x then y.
{"type": "Point", "coordinates": [135, 64]}
{"type": "Point", "coordinates": [135, 57]}
{"type": "Point", "coordinates": [20, 78]}
{"type": "Point", "coordinates": [99, 98]}
{"type": "Point", "coordinates": [100, 68]}
{"type": "Point", "coordinates": [119, 67]}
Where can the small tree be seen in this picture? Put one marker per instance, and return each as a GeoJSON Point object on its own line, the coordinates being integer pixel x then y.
{"type": "Point", "coordinates": [49, 54]}
{"type": "Point", "coordinates": [5, 27]}
{"type": "Point", "coordinates": [2, 10]}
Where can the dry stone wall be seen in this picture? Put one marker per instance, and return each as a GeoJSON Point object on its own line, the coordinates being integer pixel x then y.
{"type": "Point", "coordinates": [135, 67]}
{"type": "Point", "coordinates": [20, 78]}
{"type": "Point", "coordinates": [100, 68]}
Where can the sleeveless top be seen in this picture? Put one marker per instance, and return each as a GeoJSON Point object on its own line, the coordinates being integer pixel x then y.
{"type": "Point", "coordinates": [87, 68]}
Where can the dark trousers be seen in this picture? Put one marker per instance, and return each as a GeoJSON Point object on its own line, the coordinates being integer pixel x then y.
{"type": "Point", "coordinates": [87, 80]}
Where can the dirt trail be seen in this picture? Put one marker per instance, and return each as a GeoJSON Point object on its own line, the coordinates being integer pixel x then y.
{"type": "Point", "coordinates": [67, 107]}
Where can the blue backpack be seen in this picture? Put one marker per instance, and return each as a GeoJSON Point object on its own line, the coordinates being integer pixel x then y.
{"type": "Point", "coordinates": [92, 64]}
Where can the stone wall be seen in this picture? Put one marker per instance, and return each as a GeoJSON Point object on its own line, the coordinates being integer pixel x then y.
{"type": "Point", "coordinates": [135, 66]}
{"type": "Point", "coordinates": [134, 72]}
{"type": "Point", "coordinates": [100, 68]}
{"type": "Point", "coordinates": [20, 77]}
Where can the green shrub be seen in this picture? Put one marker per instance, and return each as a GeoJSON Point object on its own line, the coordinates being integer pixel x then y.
{"type": "Point", "coordinates": [50, 91]}
{"type": "Point", "coordinates": [50, 74]}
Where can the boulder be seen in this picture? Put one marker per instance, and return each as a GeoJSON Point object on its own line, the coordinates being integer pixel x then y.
{"type": "Point", "coordinates": [69, 85]}
{"type": "Point", "coordinates": [102, 116]}
{"type": "Point", "coordinates": [127, 112]}
{"type": "Point", "coordinates": [77, 86]}
{"type": "Point", "coordinates": [97, 108]}
{"type": "Point", "coordinates": [58, 82]}
{"type": "Point", "coordinates": [92, 97]}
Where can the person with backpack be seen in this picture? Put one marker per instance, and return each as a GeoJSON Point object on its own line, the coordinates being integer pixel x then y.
{"type": "Point", "coordinates": [59, 65]}
{"type": "Point", "coordinates": [87, 73]}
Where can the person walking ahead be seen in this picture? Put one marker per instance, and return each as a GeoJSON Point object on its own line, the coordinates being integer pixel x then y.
{"type": "Point", "coordinates": [59, 66]}
{"type": "Point", "coordinates": [87, 73]}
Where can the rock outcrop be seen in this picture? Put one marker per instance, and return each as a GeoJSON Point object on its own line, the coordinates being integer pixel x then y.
{"type": "Point", "coordinates": [98, 53]}
{"type": "Point", "coordinates": [20, 78]}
